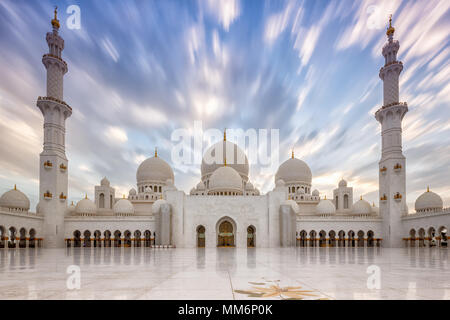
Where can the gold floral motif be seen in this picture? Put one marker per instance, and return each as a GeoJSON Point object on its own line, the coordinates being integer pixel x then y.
{"type": "Point", "coordinates": [272, 289]}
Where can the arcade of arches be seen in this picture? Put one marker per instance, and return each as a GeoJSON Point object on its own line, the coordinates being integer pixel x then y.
{"type": "Point", "coordinates": [13, 237]}
{"type": "Point", "coordinates": [427, 237]}
{"type": "Point", "coordinates": [337, 239]}
{"type": "Point", "coordinates": [112, 239]}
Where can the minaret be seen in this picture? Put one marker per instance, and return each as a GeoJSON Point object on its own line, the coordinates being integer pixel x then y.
{"type": "Point", "coordinates": [392, 177]}
{"type": "Point", "coordinates": [53, 166]}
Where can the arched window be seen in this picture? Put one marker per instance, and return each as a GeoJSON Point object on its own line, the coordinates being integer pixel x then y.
{"type": "Point", "coordinates": [110, 201]}
{"type": "Point", "coordinates": [345, 201]}
{"type": "Point", "coordinates": [101, 200]}
{"type": "Point", "coordinates": [337, 202]}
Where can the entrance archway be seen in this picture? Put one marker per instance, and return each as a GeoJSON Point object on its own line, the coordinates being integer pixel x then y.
{"type": "Point", "coordinates": [251, 240]}
{"type": "Point", "coordinates": [225, 234]}
{"type": "Point", "coordinates": [201, 236]}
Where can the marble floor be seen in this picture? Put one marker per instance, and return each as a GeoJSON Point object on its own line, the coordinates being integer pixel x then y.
{"type": "Point", "coordinates": [225, 273]}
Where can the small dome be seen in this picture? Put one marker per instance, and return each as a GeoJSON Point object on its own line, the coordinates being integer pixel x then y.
{"type": "Point", "coordinates": [301, 191]}
{"type": "Point", "coordinates": [105, 182]}
{"type": "Point", "coordinates": [315, 193]}
{"type": "Point", "coordinates": [148, 190]}
{"type": "Point", "coordinates": [225, 179]}
{"type": "Point", "coordinates": [123, 206]}
{"type": "Point", "coordinates": [85, 206]}
{"type": "Point", "coordinates": [15, 199]}
{"type": "Point", "coordinates": [294, 170]}
{"type": "Point", "coordinates": [154, 169]}
{"type": "Point", "coordinates": [193, 191]}
{"type": "Point", "coordinates": [201, 186]}
{"type": "Point", "coordinates": [342, 183]}
{"type": "Point", "coordinates": [429, 200]}
{"type": "Point", "coordinates": [362, 206]}
{"type": "Point", "coordinates": [157, 205]}
{"type": "Point", "coordinates": [249, 186]}
{"type": "Point", "coordinates": [70, 209]}
{"type": "Point", "coordinates": [132, 192]}
{"type": "Point", "coordinates": [325, 207]}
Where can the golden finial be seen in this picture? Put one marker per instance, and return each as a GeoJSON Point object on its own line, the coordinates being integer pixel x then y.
{"type": "Point", "coordinates": [360, 197]}
{"type": "Point", "coordinates": [428, 188]}
{"type": "Point", "coordinates": [55, 21]}
{"type": "Point", "coordinates": [15, 187]}
{"type": "Point", "coordinates": [292, 155]}
{"type": "Point", "coordinates": [325, 197]}
{"type": "Point", "coordinates": [391, 29]}
{"type": "Point", "coordinates": [225, 134]}
{"type": "Point", "coordinates": [225, 161]}
{"type": "Point", "coordinates": [123, 196]}
{"type": "Point", "coordinates": [85, 196]}
{"type": "Point", "coordinates": [156, 152]}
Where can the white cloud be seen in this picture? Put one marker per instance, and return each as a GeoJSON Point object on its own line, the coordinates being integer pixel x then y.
{"type": "Point", "coordinates": [116, 134]}
{"type": "Point", "coordinates": [225, 11]}
{"type": "Point", "coordinates": [110, 49]}
{"type": "Point", "coordinates": [277, 23]}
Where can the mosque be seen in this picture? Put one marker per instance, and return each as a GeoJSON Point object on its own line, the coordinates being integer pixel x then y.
{"type": "Point", "coordinates": [224, 208]}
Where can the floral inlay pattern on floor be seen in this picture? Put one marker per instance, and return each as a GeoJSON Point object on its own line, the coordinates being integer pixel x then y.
{"type": "Point", "coordinates": [273, 289]}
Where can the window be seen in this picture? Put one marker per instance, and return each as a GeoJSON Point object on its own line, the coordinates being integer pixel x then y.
{"type": "Point", "coordinates": [337, 202]}
{"type": "Point", "coordinates": [346, 201]}
{"type": "Point", "coordinates": [101, 201]}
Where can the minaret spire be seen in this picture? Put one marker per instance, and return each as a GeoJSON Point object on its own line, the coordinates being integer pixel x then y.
{"type": "Point", "coordinates": [53, 178]}
{"type": "Point", "coordinates": [392, 174]}
{"type": "Point", "coordinates": [225, 134]}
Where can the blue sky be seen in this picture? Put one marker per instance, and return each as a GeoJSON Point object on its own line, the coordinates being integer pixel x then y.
{"type": "Point", "coordinates": [140, 69]}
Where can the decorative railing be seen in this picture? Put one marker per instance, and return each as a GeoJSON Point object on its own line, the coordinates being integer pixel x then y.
{"type": "Point", "coordinates": [55, 57]}
{"type": "Point", "coordinates": [55, 100]}
{"type": "Point", "coordinates": [394, 104]}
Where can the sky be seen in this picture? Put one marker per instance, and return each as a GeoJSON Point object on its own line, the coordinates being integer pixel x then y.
{"type": "Point", "coordinates": [138, 70]}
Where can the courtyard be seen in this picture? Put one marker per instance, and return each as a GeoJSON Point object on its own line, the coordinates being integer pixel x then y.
{"type": "Point", "coordinates": [225, 273]}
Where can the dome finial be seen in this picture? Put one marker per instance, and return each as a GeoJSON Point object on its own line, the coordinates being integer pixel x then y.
{"type": "Point", "coordinates": [390, 31]}
{"type": "Point", "coordinates": [55, 21]}
{"type": "Point", "coordinates": [85, 196]}
{"type": "Point", "coordinates": [292, 155]}
{"type": "Point", "coordinates": [225, 161]}
{"type": "Point", "coordinates": [325, 197]}
{"type": "Point", "coordinates": [123, 196]}
{"type": "Point", "coordinates": [225, 134]}
{"type": "Point", "coordinates": [360, 197]}
{"type": "Point", "coordinates": [156, 152]}
{"type": "Point", "coordinates": [428, 188]}
{"type": "Point", "coordinates": [15, 187]}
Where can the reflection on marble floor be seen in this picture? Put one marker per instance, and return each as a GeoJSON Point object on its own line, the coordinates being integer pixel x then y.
{"type": "Point", "coordinates": [225, 273]}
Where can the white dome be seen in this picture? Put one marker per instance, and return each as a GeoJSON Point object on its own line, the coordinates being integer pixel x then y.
{"type": "Point", "coordinates": [70, 209]}
{"type": "Point", "coordinates": [105, 182]}
{"type": "Point", "coordinates": [123, 206]}
{"type": "Point", "coordinates": [157, 205]}
{"type": "Point", "coordinates": [325, 206]}
{"type": "Point", "coordinates": [201, 186]}
{"type": "Point", "coordinates": [85, 206]}
{"type": "Point", "coordinates": [193, 191]}
{"type": "Point", "coordinates": [132, 192]}
{"type": "Point", "coordinates": [315, 193]}
{"type": "Point", "coordinates": [342, 183]}
{"type": "Point", "coordinates": [225, 179]}
{"type": "Point", "coordinates": [362, 206]}
{"type": "Point", "coordinates": [294, 170]}
{"type": "Point", "coordinates": [154, 169]}
{"type": "Point", "coordinates": [15, 199]}
{"type": "Point", "coordinates": [236, 159]}
{"type": "Point", "coordinates": [428, 200]}
{"type": "Point", "coordinates": [249, 186]}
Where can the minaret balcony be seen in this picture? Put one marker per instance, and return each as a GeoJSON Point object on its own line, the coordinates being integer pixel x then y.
{"type": "Point", "coordinates": [43, 99]}
{"type": "Point", "coordinates": [48, 165]}
{"type": "Point", "coordinates": [394, 104]}
{"type": "Point", "coordinates": [48, 195]}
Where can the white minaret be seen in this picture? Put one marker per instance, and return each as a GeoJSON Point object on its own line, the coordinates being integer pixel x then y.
{"type": "Point", "coordinates": [53, 162]}
{"type": "Point", "coordinates": [392, 177]}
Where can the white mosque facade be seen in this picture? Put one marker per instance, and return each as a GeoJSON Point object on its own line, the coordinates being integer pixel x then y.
{"type": "Point", "coordinates": [224, 208]}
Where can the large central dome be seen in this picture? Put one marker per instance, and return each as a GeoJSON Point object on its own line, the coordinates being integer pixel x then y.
{"type": "Point", "coordinates": [294, 170]}
{"type": "Point", "coordinates": [235, 158]}
{"type": "Point", "coordinates": [154, 169]}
